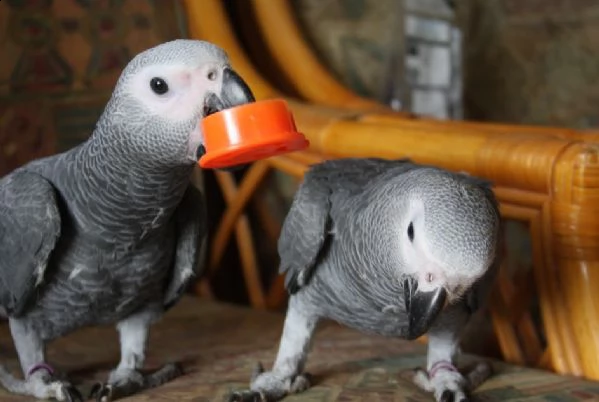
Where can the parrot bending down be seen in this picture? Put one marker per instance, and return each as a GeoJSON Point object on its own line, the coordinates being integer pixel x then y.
{"type": "Point", "coordinates": [386, 247]}
{"type": "Point", "coordinates": [112, 231]}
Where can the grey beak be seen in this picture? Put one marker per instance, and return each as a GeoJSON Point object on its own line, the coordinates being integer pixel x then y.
{"type": "Point", "coordinates": [422, 308]}
{"type": "Point", "coordinates": [234, 92]}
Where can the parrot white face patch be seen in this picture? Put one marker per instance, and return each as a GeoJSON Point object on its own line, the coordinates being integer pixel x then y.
{"type": "Point", "coordinates": [433, 263]}
{"type": "Point", "coordinates": [419, 261]}
{"type": "Point", "coordinates": [176, 92]}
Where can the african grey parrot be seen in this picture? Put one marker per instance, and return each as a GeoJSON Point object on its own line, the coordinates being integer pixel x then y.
{"type": "Point", "coordinates": [112, 231]}
{"type": "Point", "coordinates": [387, 247]}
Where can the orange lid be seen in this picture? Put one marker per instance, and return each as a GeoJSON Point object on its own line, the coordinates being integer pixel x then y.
{"type": "Point", "coordinates": [249, 132]}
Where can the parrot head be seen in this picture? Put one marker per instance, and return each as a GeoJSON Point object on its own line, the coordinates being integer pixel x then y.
{"type": "Point", "coordinates": [448, 240]}
{"type": "Point", "coordinates": [163, 94]}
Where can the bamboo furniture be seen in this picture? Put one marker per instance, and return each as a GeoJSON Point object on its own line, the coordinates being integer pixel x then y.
{"type": "Point", "coordinates": [545, 177]}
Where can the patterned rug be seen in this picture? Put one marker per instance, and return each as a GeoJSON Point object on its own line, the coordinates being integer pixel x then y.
{"type": "Point", "coordinates": [219, 344]}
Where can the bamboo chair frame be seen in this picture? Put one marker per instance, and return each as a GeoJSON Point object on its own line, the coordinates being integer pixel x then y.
{"type": "Point", "coordinates": [546, 177]}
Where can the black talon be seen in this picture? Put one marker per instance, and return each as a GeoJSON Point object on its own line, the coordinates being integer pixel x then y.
{"type": "Point", "coordinates": [73, 394]}
{"type": "Point", "coordinates": [106, 392]}
{"type": "Point", "coordinates": [129, 386]}
{"type": "Point", "coordinates": [309, 377]}
{"type": "Point", "coordinates": [95, 388]}
{"type": "Point", "coordinates": [245, 396]}
{"type": "Point", "coordinates": [99, 391]}
{"type": "Point", "coordinates": [447, 396]}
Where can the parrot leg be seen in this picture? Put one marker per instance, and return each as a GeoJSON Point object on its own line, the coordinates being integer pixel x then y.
{"type": "Point", "coordinates": [41, 381]}
{"type": "Point", "coordinates": [442, 378]}
{"type": "Point", "coordinates": [286, 376]}
{"type": "Point", "coordinates": [127, 379]}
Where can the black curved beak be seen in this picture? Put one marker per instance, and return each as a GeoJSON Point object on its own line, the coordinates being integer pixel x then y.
{"type": "Point", "coordinates": [422, 307]}
{"type": "Point", "coordinates": [234, 92]}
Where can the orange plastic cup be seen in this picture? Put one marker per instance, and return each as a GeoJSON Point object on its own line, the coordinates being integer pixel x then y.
{"type": "Point", "coordinates": [247, 133]}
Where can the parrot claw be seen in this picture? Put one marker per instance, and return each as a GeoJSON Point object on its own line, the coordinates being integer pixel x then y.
{"type": "Point", "coordinates": [246, 396]}
{"type": "Point", "coordinates": [101, 392]}
{"type": "Point", "coordinates": [268, 387]}
{"type": "Point", "coordinates": [71, 393]}
{"type": "Point", "coordinates": [128, 382]}
{"type": "Point", "coordinates": [449, 396]}
{"type": "Point", "coordinates": [43, 384]}
{"type": "Point", "coordinates": [448, 384]}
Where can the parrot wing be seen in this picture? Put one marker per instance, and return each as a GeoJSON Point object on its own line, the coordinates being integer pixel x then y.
{"type": "Point", "coordinates": [479, 294]}
{"type": "Point", "coordinates": [30, 226]}
{"type": "Point", "coordinates": [306, 230]}
{"type": "Point", "coordinates": [191, 232]}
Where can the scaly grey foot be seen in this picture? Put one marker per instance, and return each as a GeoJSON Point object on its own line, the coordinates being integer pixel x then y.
{"type": "Point", "coordinates": [41, 383]}
{"type": "Point", "coordinates": [123, 383]}
{"type": "Point", "coordinates": [270, 387]}
{"type": "Point", "coordinates": [448, 384]}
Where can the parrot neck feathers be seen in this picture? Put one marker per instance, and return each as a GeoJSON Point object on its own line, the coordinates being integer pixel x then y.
{"type": "Point", "coordinates": [122, 189]}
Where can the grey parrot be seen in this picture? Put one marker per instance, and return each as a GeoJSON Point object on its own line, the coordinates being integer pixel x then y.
{"type": "Point", "coordinates": [387, 247]}
{"type": "Point", "coordinates": [112, 230]}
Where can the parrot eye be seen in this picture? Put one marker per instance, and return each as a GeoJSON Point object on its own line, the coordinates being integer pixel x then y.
{"type": "Point", "coordinates": [159, 86]}
{"type": "Point", "coordinates": [212, 75]}
{"type": "Point", "coordinates": [411, 231]}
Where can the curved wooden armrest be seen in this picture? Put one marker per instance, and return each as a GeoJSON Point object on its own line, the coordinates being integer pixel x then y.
{"type": "Point", "coordinates": [495, 128]}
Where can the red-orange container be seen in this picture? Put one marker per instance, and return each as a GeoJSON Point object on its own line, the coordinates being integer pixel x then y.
{"type": "Point", "coordinates": [249, 132]}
